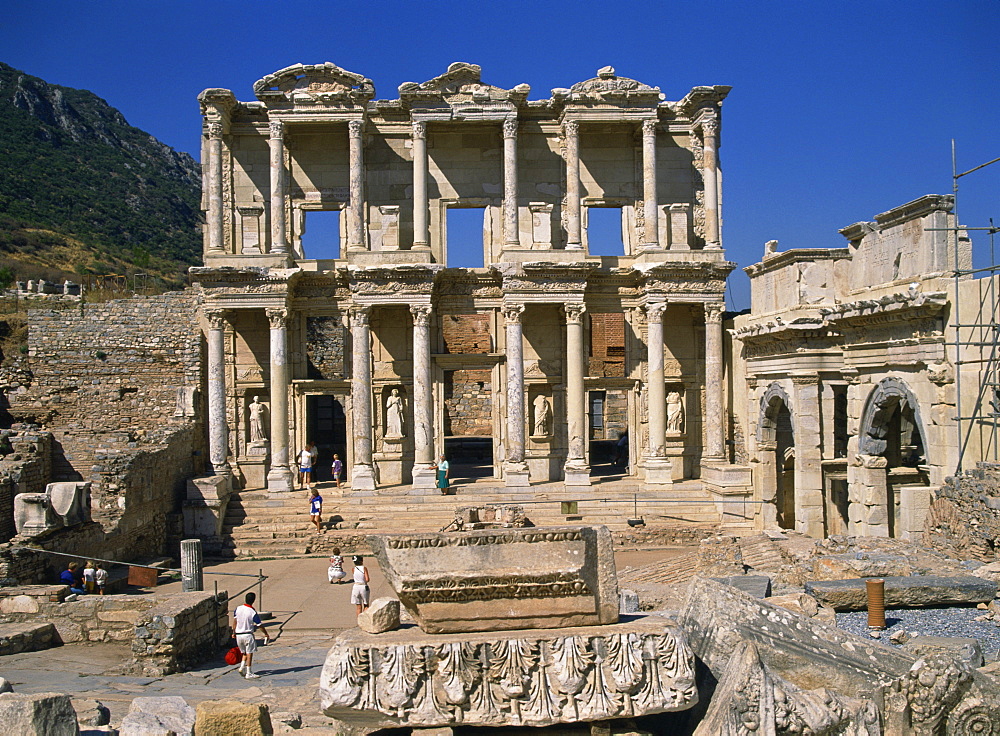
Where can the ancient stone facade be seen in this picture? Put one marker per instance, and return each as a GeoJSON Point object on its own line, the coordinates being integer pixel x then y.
{"type": "Point", "coordinates": [385, 355]}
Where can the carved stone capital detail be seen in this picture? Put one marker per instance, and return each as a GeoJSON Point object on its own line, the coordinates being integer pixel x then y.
{"type": "Point", "coordinates": [571, 128]}
{"type": "Point", "coordinates": [215, 131]}
{"type": "Point", "coordinates": [278, 317]}
{"type": "Point", "coordinates": [713, 312]}
{"type": "Point", "coordinates": [710, 127]}
{"type": "Point", "coordinates": [359, 315]}
{"type": "Point", "coordinates": [355, 128]}
{"type": "Point", "coordinates": [276, 129]}
{"type": "Point", "coordinates": [649, 127]}
{"type": "Point", "coordinates": [510, 128]}
{"type": "Point", "coordinates": [655, 311]}
{"type": "Point", "coordinates": [574, 312]}
{"type": "Point", "coordinates": [216, 318]}
{"type": "Point", "coordinates": [421, 314]}
{"type": "Point", "coordinates": [512, 313]}
{"type": "Point", "coordinates": [419, 130]}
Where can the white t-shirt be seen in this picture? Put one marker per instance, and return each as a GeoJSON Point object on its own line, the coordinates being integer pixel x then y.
{"type": "Point", "coordinates": [246, 619]}
{"type": "Point", "coordinates": [306, 458]}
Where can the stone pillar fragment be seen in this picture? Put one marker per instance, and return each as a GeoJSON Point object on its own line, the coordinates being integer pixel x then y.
{"type": "Point", "coordinates": [511, 236]}
{"type": "Point", "coordinates": [218, 440]}
{"type": "Point", "coordinates": [279, 236]}
{"type": "Point", "coordinates": [423, 399]}
{"type": "Point", "coordinates": [363, 473]}
{"type": "Point", "coordinates": [808, 457]}
{"type": "Point", "coordinates": [515, 467]}
{"type": "Point", "coordinates": [216, 242]}
{"type": "Point", "coordinates": [192, 579]}
{"type": "Point", "coordinates": [279, 476]}
{"type": "Point", "coordinates": [658, 467]}
{"type": "Point", "coordinates": [420, 235]}
{"type": "Point", "coordinates": [710, 132]}
{"type": "Point", "coordinates": [577, 469]}
{"type": "Point", "coordinates": [574, 239]}
{"type": "Point", "coordinates": [356, 225]}
{"type": "Point", "coordinates": [714, 420]}
{"type": "Point", "coordinates": [650, 211]}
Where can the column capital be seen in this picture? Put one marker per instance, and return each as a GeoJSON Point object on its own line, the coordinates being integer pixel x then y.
{"type": "Point", "coordinates": [649, 127]}
{"type": "Point", "coordinates": [355, 128]}
{"type": "Point", "coordinates": [571, 128]}
{"type": "Point", "coordinates": [713, 312]}
{"type": "Point", "coordinates": [216, 318]}
{"type": "Point", "coordinates": [574, 312]}
{"type": "Point", "coordinates": [276, 128]}
{"type": "Point", "coordinates": [510, 128]}
{"type": "Point", "coordinates": [278, 317]}
{"type": "Point", "coordinates": [654, 311]}
{"type": "Point", "coordinates": [359, 315]}
{"type": "Point", "coordinates": [512, 313]}
{"type": "Point", "coordinates": [710, 127]}
{"type": "Point", "coordinates": [421, 314]}
{"type": "Point", "coordinates": [419, 129]}
{"type": "Point", "coordinates": [805, 379]}
{"type": "Point", "coordinates": [215, 131]}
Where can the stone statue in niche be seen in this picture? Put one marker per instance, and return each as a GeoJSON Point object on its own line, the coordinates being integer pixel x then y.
{"type": "Point", "coordinates": [675, 413]}
{"type": "Point", "coordinates": [394, 415]}
{"type": "Point", "coordinates": [257, 411]}
{"type": "Point", "coordinates": [543, 416]}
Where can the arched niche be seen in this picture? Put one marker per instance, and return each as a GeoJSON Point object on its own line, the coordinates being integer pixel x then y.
{"type": "Point", "coordinates": [891, 408]}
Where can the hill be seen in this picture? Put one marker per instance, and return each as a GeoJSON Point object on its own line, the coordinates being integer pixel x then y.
{"type": "Point", "coordinates": [83, 192]}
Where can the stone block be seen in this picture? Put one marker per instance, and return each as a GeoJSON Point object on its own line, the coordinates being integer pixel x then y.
{"type": "Point", "coordinates": [628, 601]}
{"type": "Point", "coordinates": [800, 603]}
{"type": "Point", "coordinates": [91, 713]}
{"type": "Point", "coordinates": [904, 592]}
{"type": "Point", "coordinates": [491, 580]}
{"type": "Point", "coordinates": [232, 718]}
{"type": "Point", "coordinates": [19, 604]}
{"type": "Point", "coordinates": [37, 714]}
{"type": "Point", "coordinates": [759, 586]}
{"type": "Point", "coordinates": [968, 650]}
{"type": "Point", "coordinates": [148, 715]}
{"type": "Point", "coordinates": [381, 616]}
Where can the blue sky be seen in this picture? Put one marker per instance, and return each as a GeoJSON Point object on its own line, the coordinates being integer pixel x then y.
{"type": "Point", "coordinates": [839, 110]}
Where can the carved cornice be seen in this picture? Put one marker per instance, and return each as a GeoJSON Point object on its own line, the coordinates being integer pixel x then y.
{"type": "Point", "coordinates": [805, 379]}
{"type": "Point", "coordinates": [910, 306]}
{"type": "Point", "coordinates": [393, 284]}
{"type": "Point", "coordinates": [706, 277]}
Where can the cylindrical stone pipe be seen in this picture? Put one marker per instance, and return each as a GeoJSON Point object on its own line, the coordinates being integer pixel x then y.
{"type": "Point", "coordinates": [875, 588]}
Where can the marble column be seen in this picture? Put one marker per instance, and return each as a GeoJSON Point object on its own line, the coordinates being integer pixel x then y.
{"type": "Point", "coordinates": [658, 468]}
{"type": "Point", "coordinates": [216, 241]}
{"type": "Point", "coordinates": [515, 468]}
{"type": "Point", "coordinates": [420, 236]}
{"type": "Point", "coordinates": [714, 421]}
{"type": "Point", "coordinates": [279, 475]}
{"type": "Point", "coordinates": [279, 236]}
{"type": "Point", "coordinates": [710, 132]}
{"type": "Point", "coordinates": [423, 399]}
{"type": "Point", "coordinates": [218, 433]}
{"type": "Point", "coordinates": [650, 211]}
{"type": "Point", "coordinates": [574, 241]}
{"type": "Point", "coordinates": [577, 469]}
{"type": "Point", "coordinates": [356, 226]}
{"type": "Point", "coordinates": [808, 456]}
{"type": "Point", "coordinates": [363, 472]}
{"type": "Point", "coordinates": [511, 236]}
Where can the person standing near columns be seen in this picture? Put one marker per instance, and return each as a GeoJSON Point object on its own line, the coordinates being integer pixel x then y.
{"type": "Point", "coordinates": [356, 227]}
{"type": "Point", "coordinates": [363, 473]}
{"type": "Point", "coordinates": [216, 242]}
{"type": "Point", "coordinates": [279, 476]}
{"type": "Point", "coordinates": [650, 210]}
{"type": "Point", "coordinates": [423, 399]}
{"type": "Point", "coordinates": [279, 236]}
{"type": "Point", "coordinates": [218, 434]}
{"type": "Point", "coordinates": [420, 236]}
{"type": "Point", "coordinates": [714, 388]}
{"type": "Point", "coordinates": [511, 237]}
{"type": "Point", "coordinates": [710, 133]}
{"type": "Point", "coordinates": [571, 130]}
{"type": "Point", "coordinates": [515, 467]}
{"type": "Point", "coordinates": [577, 469]}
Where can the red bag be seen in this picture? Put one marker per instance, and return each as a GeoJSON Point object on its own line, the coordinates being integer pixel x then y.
{"type": "Point", "coordinates": [234, 655]}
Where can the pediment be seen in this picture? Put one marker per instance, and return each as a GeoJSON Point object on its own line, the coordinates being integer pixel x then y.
{"type": "Point", "coordinates": [314, 84]}
{"type": "Point", "coordinates": [460, 85]}
{"type": "Point", "coordinates": [607, 85]}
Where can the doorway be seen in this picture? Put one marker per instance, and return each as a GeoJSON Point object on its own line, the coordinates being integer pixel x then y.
{"type": "Point", "coordinates": [326, 424]}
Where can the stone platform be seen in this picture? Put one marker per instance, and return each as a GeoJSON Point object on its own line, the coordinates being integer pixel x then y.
{"type": "Point", "coordinates": [636, 667]}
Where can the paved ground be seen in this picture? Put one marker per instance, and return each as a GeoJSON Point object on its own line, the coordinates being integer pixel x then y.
{"type": "Point", "coordinates": [307, 613]}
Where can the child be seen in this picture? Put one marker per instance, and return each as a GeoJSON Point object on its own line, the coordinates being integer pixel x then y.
{"type": "Point", "coordinates": [315, 508]}
{"type": "Point", "coordinates": [89, 578]}
{"type": "Point", "coordinates": [360, 593]}
{"type": "Point", "coordinates": [101, 578]}
{"type": "Point", "coordinates": [338, 468]}
{"type": "Point", "coordinates": [306, 459]}
{"type": "Point", "coordinates": [335, 573]}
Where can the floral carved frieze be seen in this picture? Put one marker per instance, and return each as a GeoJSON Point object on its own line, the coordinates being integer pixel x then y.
{"type": "Point", "coordinates": [558, 676]}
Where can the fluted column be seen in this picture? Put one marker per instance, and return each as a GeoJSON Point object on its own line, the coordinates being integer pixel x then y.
{"type": "Point", "coordinates": [656, 395]}
{"type": "Point", "coordinates": [577, 469]}
{"type": "Point", "coordinates": [423, 399]}
{"type": "Point", "coordinates": [714, 420]}
{"type": "Point", "coordinates": [515, 468]}
{"type": "Point", "coordinates": [710, 132]}
{"type": "Point", "coordinates": [650, 211]}
{"type": "Point", "coordinates": [216, 242]}
{"type": "Point", "coordinates": [218, 434]}
{"type": "Point", "coordinates": [363, 473]}
{"type": "Point", "coordinates": [511, 237]}
{"type": "Point", "coordinates": [279, 237]}
{"type": "Point", "coordinates": [420, 236]}
{"type": "Point", "coordinates": [356, 227]}
{"type": "Point", "coordinates": [571, 129]}
{"type": "Point", "coordinates": [279, 476]}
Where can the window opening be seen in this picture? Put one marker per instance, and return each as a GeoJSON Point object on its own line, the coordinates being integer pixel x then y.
{"type": "Point", "coordinates": [604, 231]}
{"type": "Point", "coordinates": [321, 234]}
{"type": "Point", "coordinates": [597, 415]}
{"type": "Point", "coordinates": [465, 247]}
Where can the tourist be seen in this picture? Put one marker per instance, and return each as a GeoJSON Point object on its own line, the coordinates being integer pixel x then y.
{"type": "Point", "coordinates": [315, 508]}
{"type": "Point", "coordinates": [245, 622]}
{"type": "Point", "coordinates": [101, 578]}
{"type": "Point", "coordinates": [306, 459]}
{"type": "Point", "coordinates": [360, 593]}
{"type": "Point", "coordinates": [89, 581]}
{"type": "Point", "coordinates": [335, 573]}
{"type": "Point", "coordinates": [72, 578]}
{"type": "Point", "coordinates": [338, 469]}
{"type": "Point", "coordinates": [621, 450]}
{"type": "Point", "coordinates": [442, 468]}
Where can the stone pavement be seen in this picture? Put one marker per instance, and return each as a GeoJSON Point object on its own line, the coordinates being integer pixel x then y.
{"type": "Point", "coordinates": [307, 613]}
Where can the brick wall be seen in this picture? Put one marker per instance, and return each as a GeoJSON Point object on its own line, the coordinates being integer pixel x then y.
{"type": "Point", "coordinates": [468, 403]}
{"type": "Point", "coordinates": [466, 333]}
{"type": "Point", "coordinates": [607, 345]}
{"type": "Point", "coordinates": [325, 347]}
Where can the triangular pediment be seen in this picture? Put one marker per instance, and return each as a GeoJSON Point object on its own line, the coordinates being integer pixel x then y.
{"type": "Point", "coordinates": [460, 85]}
{"type": "Point", "coordinates": [314, 84]}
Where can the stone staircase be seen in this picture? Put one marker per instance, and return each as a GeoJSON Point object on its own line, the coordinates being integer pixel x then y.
{"type": "Point", "coordinates": [675, 571]}
{"type": "Point", "coordinates": [259, 524]}
{"type": "Point", "coordinates": [761, 553]}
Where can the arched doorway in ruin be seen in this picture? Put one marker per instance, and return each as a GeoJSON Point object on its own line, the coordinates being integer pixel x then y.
{"type": "Point", "coordinates": [891, 429]}
{"type": "Point", "coordinates": [776, 446]}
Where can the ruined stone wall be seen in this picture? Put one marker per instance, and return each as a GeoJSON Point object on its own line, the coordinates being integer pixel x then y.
{"type": "Point", "coordinates": [964, 515]}
{"type": "Point", "coordinates": [325, 347]}
{"type": "Point", "coordinates": [180, 631]}
{"type": "Point", "coordinates": [26, 468]}
{"type": "Point", "coordinates": [468, 401]}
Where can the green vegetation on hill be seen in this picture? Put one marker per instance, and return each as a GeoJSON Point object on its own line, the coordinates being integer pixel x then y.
{"type": "Point", "coordinates": [83, 192]}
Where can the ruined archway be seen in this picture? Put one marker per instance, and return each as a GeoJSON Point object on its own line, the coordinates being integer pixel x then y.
{"type": "Point", "coordinates": [776, 444]}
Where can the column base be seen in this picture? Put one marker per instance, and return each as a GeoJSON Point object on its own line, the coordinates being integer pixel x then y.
{"type": "Point", "coordinates": [574, 246]}
{"type": "Point", "coordinates": [713, 246]}
{"type": "Point", "coordinates": [515, 475]}
{"type": "Point", "coordinates": [280, 479]}
{"type": "Point", "coordinates": [362, 478]}
{"type": "Point", "coordinates": [576, 473]}
{"type": "Point", "coordinates": [424, 480]}
{"type": "Point", "coordinates": [659, 472]}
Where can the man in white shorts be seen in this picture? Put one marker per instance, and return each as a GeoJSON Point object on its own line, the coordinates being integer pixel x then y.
{"type": "Point", "coordinates": [245, 621]}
